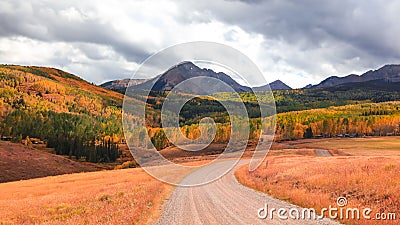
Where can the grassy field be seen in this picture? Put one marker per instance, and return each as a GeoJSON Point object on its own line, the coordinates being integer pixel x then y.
{"type": "Point", "coordinates": [364, 170]}
{"type": "Point", "coordinates": [310, 181]}
{"type": "Point", "coordinates": [128, 196]}
{"type": "Point", "coordinates": [214, 150]}
{"type": "Point", "coordinates": [106, 197]}
{"type": "Point", "coordinates": [370, 146]}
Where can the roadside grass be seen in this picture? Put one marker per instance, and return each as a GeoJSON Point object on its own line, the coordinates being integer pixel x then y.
{"type": "Point", "coordinates": [317, 182]}
{"type": "Point", "coordinates": [128, 196]}
{"type": "Point", "coordinates": [108, 197]}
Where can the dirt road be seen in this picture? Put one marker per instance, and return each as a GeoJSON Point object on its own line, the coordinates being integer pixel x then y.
{"type": "Point", "coordinates": [322, 152]}
{"type": "Point", "coordinates": [224, 201]}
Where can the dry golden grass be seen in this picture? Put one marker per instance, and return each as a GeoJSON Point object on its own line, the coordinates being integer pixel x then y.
{"type": "Point", "coordinates": [309, 181]}
{"type": "Point", "coordinates": [129, 196]}
{"type": "Point", "coordinates": [107, 197]}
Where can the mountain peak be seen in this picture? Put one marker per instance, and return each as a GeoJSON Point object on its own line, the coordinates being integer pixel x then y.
{"type": "Point", "coordinates": [186, 63]}
{"type": "Point", "coordinates": [276, 85]}
{"type": "Point", "coordinates": [186, 70]}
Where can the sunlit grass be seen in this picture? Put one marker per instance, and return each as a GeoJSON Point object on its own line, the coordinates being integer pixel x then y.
{"type": "Point", "coordinates": [371, 146]}
{"type": "Point", "coordinates": [317, 182]}
{"type": "Point", "coordinates": [108, 197]}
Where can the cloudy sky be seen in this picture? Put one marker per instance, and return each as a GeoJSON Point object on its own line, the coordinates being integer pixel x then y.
{"type": "Point", "coordinates": [299, 42]}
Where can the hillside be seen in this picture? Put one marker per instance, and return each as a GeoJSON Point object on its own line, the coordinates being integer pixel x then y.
{"type": "Point", "coordinates": [370, 119]}
{"type": "Point", "coordinates": [52, 89]}
{"type": "Point", "coordinates": [75, 117]}
{"type": "Point", "coordinates": [19, 162]}
{"type": "Point", "coordinates": [121, 85]}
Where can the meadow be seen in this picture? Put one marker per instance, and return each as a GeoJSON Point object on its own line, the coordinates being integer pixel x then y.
{"type": "Point", "coordinates": [366, 180]}
{"type": "Point", "coordinates": [369, 146]}
{"type": "Point", "coordinates": [107, 197]}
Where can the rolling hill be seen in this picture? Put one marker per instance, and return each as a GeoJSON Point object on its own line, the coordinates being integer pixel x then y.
{"type": "Point", "coordinates": [19, 162]}
{"type": "Point", "coordinates": [45, 88]}
{"type": "Point", "coordinates": [69, 113]}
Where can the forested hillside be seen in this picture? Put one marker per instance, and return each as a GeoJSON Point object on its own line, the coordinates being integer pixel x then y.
{"type": "Point", "coordinates": [347, 113]}
{"type": "Point", "coordinates": [73, 116]}
{"type": "Point", "coordinates": [303, 99]}
{"type": "Point", "coordinates": [366, 119]}
{"type": "Point", "coordinates": [374, 119]}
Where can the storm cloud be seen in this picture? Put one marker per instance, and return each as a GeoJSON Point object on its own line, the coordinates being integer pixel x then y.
{"type": "Point", "coordinates": [299, 42]}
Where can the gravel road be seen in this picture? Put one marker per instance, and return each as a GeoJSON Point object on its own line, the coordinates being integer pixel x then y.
{"type": "Point", "coordinates": [223, 201]}
{"type": "Point", "coordinates": [321, 152]}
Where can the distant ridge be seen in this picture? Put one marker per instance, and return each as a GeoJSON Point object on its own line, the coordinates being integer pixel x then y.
{"type": "Point", "coordinates": [387, 73]}
{"type": "Point", "coordinates": [185, 70]}
{"type": "Point", "coordinates": [118, 85]}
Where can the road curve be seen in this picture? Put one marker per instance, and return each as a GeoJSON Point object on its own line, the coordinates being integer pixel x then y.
{"type": "Point", "coordinates": [223, 201]}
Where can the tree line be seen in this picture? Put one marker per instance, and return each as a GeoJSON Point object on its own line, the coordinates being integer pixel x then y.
{"type": "Point", "coordinates": [83, 136]}
{"type": "Point", "coordinates": [368, 119]}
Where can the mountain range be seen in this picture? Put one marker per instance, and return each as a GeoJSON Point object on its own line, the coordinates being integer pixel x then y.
{"type": "Point", "coordinates": [184, 71]}
{"type": "Point", "coordinates": [385, 74]}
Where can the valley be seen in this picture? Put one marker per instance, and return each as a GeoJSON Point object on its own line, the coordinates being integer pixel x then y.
{"type": "Point", "coordinates": [69, 179]}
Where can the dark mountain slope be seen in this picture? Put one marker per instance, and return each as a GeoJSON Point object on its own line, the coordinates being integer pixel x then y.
{"type": "Point", "coordinates": [186, 70]}
{"type": "Point", "coordinates": [387, 73]}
